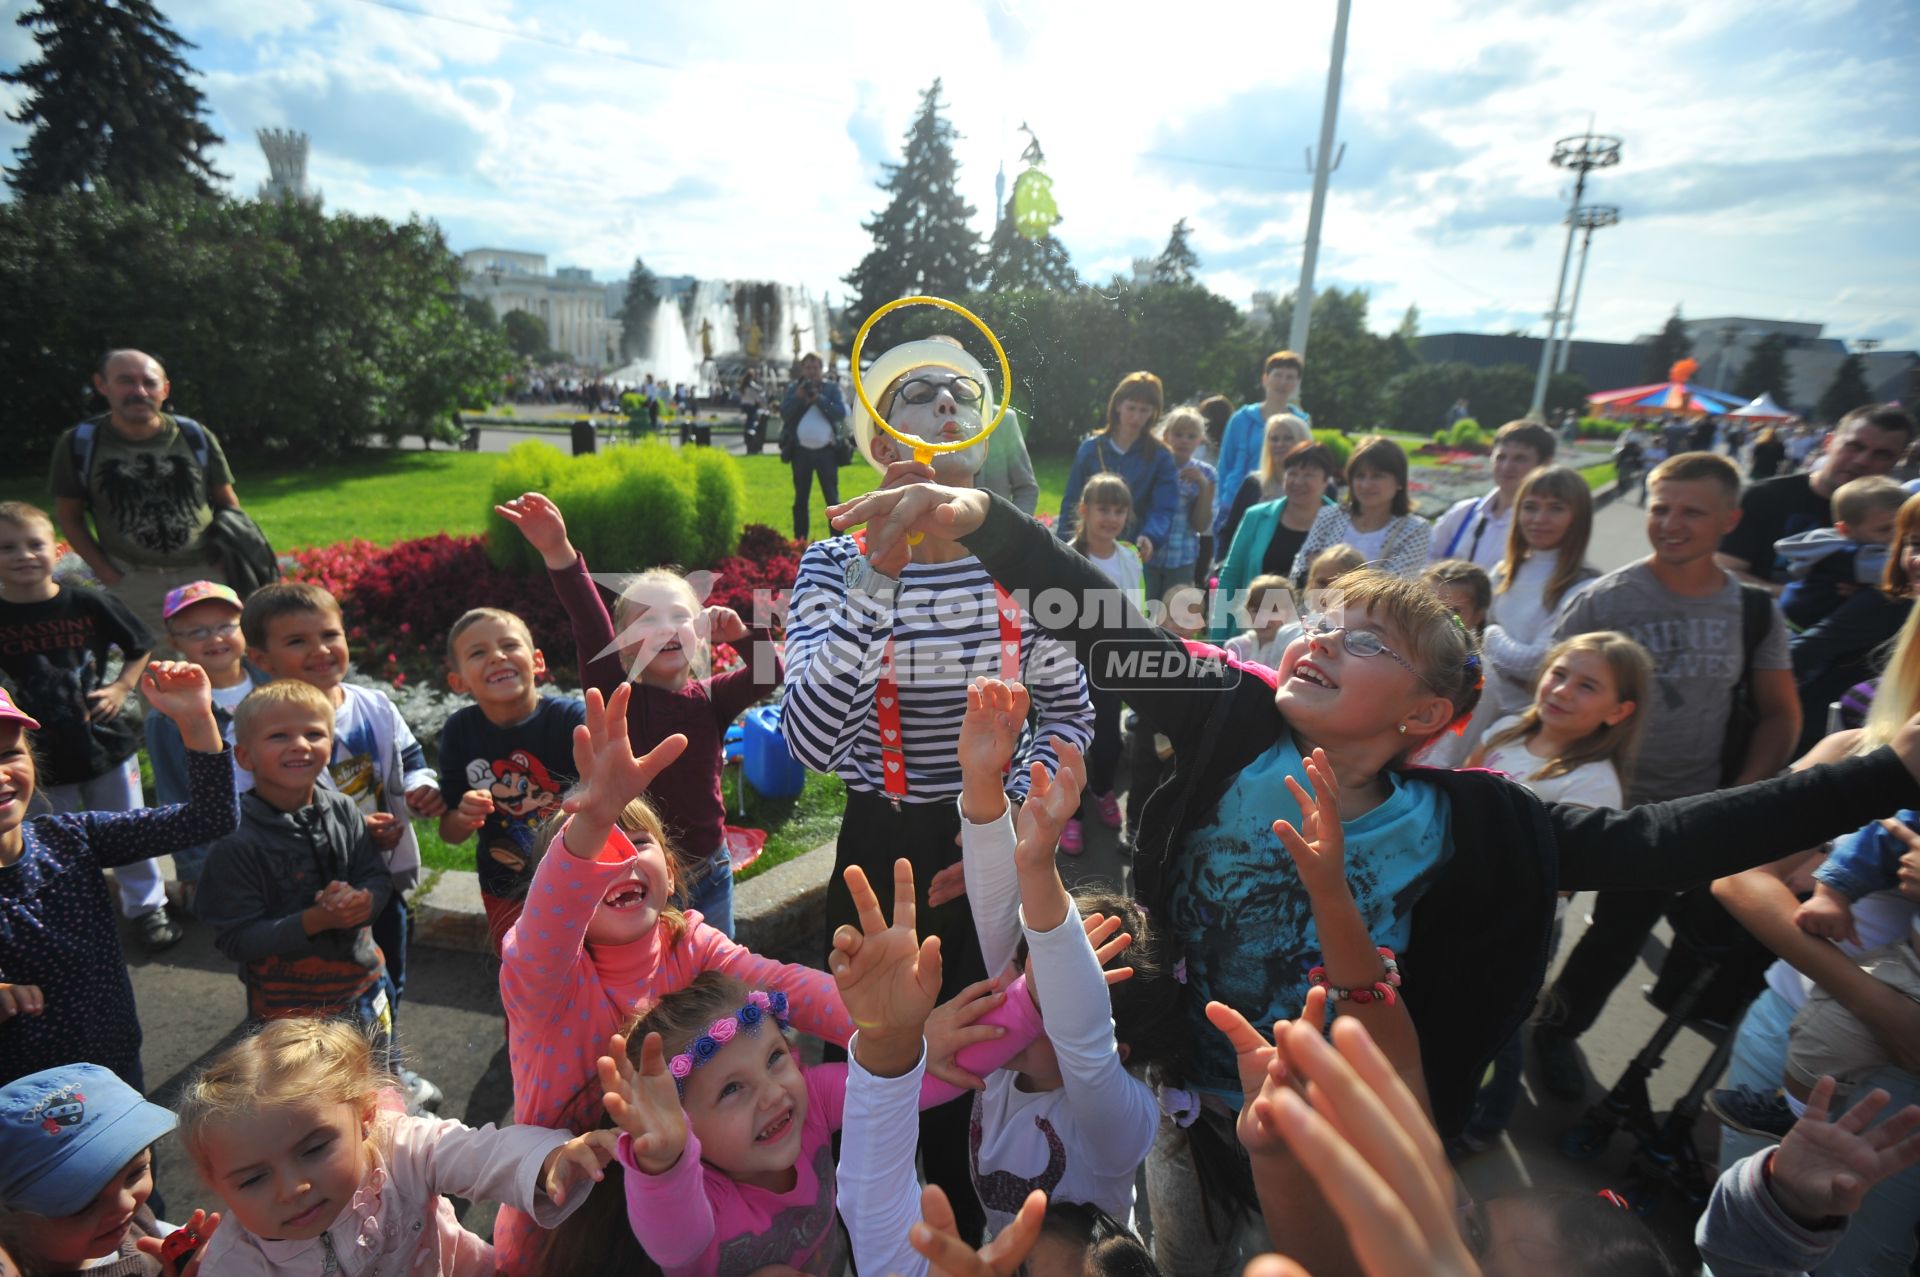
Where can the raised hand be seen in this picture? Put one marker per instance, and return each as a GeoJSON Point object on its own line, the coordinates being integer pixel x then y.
{"type": "Point", "coordinates": [954, 1026]}
{"type": "Point", "coordinates": [990, 729]}
{"type": "Point", "coordinates": [1825, 1168]}
{"type": "Point", "coordinates": [540, 522]}
{"type": "Point", "coordinates": [20, 999]}
{"type": "Point", "coordinates": [1052, 800]}
{"type": "Point", "coordinates": [581, 1160]}
{"type": "Point", "coordinates": [937, 1237]}
{"type": "Point", "coordinates": [1109, 942]}
{"type": "Point", "coordinates": [645, 1103]}
{"type": "Point", "coordinates": [611, 776]}
{"type": "Point", "coordinates": [1262, 1066]}
{"type": "Point", "coordinates": [722, 625]}
{"type": "Point", "coordinates": [888, 978]}
{"type": "Point", "coordinates": [178, 689]}
{"type": "Point", "coordinates": [1318, 845]}
{"type": "Point", "coordinates": [913, 504]}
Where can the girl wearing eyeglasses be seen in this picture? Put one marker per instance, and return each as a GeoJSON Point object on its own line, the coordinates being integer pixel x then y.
{"type": "Point", "coordinates": [1456, 872]}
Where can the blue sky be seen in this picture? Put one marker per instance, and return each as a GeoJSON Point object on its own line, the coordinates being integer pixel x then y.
{"type": "Point", "coordinates": [1771, 164]}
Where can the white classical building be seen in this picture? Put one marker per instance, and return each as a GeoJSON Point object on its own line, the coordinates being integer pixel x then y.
{"type": "Point", "coordinates": [569, 301]}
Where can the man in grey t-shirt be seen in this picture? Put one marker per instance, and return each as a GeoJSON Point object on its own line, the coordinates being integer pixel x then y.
{"type": "Point", "coordinates": [1686, 611]}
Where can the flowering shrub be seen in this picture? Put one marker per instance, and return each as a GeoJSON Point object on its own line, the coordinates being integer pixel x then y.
{"type": "Point", "coordinates": [764, 561]}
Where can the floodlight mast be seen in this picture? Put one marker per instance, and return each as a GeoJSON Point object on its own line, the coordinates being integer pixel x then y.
{"type": "Point", "coordinates": [1582, 154]}
{"type": "Point", "coordinates": [1589, 219]}
{"type": "Point", "coordinates": [1324, 162]}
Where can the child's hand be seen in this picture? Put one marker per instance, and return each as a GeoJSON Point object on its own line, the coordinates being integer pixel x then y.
{"type": "Point", "coordinates": [343, 906]}
{"type": "Point", "coordinates": [610, 775]}
{"type": "Point", "coordinates": [179, 1252]}
{"type": "Point", "coordinates": [722, 625]}
{"type": "Point", "coordinates": [475, 806]}
{"type": "Point", "coordinates": [990, 729]}
{"type": "Point", "coordinates": [948, 884]}
{"type": "Point", "coordinates": [952, 1028]}
{"type": "Point", "coordinates": [1827, 1168]}
{"type": "Point", "coordinates": [20, 999]}
{"type": "Point", "coordinates": [938, 1238]}
{"type": "Point", "coordinates": [104, 703]}
{"type": "Point", "coordinates": [581, 1160]}
{"type": "Point", "coordinates": [540, 522]}
{"type": "Point", "coordinates": [386, 829]}
{"type": "Point", "coordinates": [1827, 914]}
{"type": "Point", "coordinates": [426, 802]}
{"type": "Point", "coordinates": [1319, 845]}
{"type": "Point", "coordinates": [1051, 802]}
{"type": "Point", "coordinates": [178, 689]}
{"type": "Point", "coordinates": [1263, 1070]}
{"type": "Point", "coordinates": [1108, 942]}
{"type": "Point", "coordinates": [646, 1105]}
{"type": "Point", "coordinates": [888, 978]}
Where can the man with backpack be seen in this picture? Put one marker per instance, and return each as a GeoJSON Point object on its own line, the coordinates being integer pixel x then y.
{"type": "Point", "coordinates": [151, 482]}
{"type": "Point", "coordinates": [1723, 712]}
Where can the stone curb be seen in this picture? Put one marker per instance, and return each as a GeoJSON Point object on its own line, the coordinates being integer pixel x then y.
{"type": "Point", "coordinates": [780, 911]}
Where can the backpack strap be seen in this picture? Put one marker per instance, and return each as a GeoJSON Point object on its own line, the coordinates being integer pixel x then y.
{"type": "Point", "coordinates": [1756, 618]}
{"type": "Point", "coordinates": [196, 435]}
{"type": "Point", "coordinates": [87, 434]}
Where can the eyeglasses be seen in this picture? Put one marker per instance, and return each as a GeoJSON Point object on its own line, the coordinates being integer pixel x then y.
{"type": "Point", "coordinates": [923, 389]}
{"type": "Point", "coordinates": [206, 632]}
{"type": "Point", "coordinates": [1361, 643]}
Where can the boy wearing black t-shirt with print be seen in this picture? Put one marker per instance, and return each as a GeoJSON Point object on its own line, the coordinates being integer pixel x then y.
{"type": "Point", "coordinates": [506, 759]}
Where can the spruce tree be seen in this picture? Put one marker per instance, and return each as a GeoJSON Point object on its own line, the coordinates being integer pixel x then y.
{"type": "Point", "coordinates": [636, 311]}
{"type": "Point", "coordinates": [1670, 346]}
{"type": "Point", "coordinates": [109, 100]}
{"type": "Point", "coordinates": [1015, 263]}
{"type": "Point", "coordinates": [923, 240]}
{"type": "Point", "coordinates": [1848, 391]}
{"type": "Point", "coordinates": [1765, 372]}
{"type": "Point", "coordinates": [1177, 261]}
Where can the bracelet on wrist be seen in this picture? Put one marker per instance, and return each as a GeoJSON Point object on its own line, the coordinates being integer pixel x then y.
{"type": "Point", "coordinates": [1381, 990]}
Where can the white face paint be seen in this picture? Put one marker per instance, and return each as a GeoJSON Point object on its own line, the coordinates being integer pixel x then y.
{"type": "Point", "coordinates": [942, 419]}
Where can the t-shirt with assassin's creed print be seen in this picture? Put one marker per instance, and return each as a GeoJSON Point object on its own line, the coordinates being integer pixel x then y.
{"type": "Point", "coordinates": [55, 652]}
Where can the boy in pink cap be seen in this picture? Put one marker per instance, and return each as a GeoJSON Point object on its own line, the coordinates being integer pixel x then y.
{"type": "Point", "coordinates": [203, 625]}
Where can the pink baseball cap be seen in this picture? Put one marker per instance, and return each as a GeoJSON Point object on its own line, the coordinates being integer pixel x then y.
{"type": "Point", "coordinates": [11, 713]}
{"type": "Point", "coordinates": [197, 592]}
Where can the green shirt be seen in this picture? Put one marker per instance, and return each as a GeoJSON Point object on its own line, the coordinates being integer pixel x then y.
{"type": "Point", "coordinates": [150, 500]}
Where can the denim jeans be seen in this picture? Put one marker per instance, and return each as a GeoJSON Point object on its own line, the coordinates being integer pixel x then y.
{"type": "Point", "coordinates": [712, 893]}
{"type": "Point", "coordinates": [141, 887]}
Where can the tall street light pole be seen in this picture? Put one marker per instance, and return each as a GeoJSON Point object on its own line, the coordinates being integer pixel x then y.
{"type": "Point", "coordinates": [1589, 219]}
{"type": "Point", "coordinates": [1582, 154]}
{"type": "Point", "coordinates": [1324, 162]}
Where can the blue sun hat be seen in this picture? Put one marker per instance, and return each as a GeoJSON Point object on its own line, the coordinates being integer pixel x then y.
{"type": "Point", "coordinates": [65, 1132]}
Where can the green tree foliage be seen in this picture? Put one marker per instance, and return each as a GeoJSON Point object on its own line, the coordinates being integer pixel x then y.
{"type": "Point", "coordinates": [1348, 364]}
{"type": "Point", "coordinates": [923, 240]}
{"type": "Point", "coordinates": [526, 334]}
{"type": "Point", "coordinates": [1014, 262]}
{"type": "Point", "coordinates": [284, 328]}
{"type": "Point", "coordinates": [1848, 391]}
{"type": "Point", "coordinates": [1765, 372]}
{"type": "Point", "coordinates": [1418, 399]}
{"type": "Point", "coordinates": [636, 311]}
{"type": "Point", "coordinates": [479, 312]}
{"type": "Point", "coordinates": [1670, 345]}
{"type": "Point", "coordinates": [1177, 261]}
{"type": "Point", "coordinates": [109, 100]}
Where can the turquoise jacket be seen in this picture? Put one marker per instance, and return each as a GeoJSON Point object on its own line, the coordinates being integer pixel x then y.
{"type": "Point", "coordinates": [1244, 556]}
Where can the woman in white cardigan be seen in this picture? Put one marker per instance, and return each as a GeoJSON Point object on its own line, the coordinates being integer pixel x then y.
{"type": "Point", "coordinates": [1545, 569]}
{"type": "Point", "coordinates": [1377, 517]}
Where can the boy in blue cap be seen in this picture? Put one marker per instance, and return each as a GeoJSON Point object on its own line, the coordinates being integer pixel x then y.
{"type": "Point", "coordinates": [76, 1170]}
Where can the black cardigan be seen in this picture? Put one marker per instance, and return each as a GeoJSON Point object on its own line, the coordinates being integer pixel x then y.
{"type": "Point", "coordinates": [1477, 954]}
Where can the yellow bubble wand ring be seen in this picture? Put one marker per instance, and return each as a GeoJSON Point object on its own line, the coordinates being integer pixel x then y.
{"type": "Point", "coordinates": [923, 451]}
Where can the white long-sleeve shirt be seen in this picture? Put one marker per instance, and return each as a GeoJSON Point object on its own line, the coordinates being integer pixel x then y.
{"type": "Point", "coordinates": [1519, 632]}
{"type": "Point", "coordinates": [1084, 1141]}
{"type": "Point", "coordinates": [878, 1194]}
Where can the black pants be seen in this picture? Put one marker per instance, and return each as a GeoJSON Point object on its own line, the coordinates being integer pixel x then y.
{"type": "Point", "coordinates": [752, 432]}
{"type": "Point", "coordinates": [1103, 756]}
{"type": "Point", "coordinates": [807, 462]}
{"type": "Point", "coordinates": [873, 835]}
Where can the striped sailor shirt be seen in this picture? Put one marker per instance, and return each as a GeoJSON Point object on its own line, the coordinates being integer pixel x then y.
{"type": "Point", "coordinates": [945, 633]}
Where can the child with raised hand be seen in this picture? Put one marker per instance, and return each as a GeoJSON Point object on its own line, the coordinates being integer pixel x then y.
{"type": "Point", "coordinates": [64, 991]}
{"type": "Point", "coordinates": [658, 642]}
{"type": "Point", "coordinates": [301, 1134]}
{"type": "Point", "coordinates": [599, 938]}
{"type": "Point", "coordinates": [1457, 871]}
{"type": "Point", "coordinates": [1066, 1114]}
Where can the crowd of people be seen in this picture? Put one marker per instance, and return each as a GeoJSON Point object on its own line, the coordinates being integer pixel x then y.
{"type": "Point", "coordinates": [1362, 760]}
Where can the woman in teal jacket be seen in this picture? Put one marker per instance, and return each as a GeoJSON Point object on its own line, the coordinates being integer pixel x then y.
{"type": "Point", "coordinates": [1271, 533]}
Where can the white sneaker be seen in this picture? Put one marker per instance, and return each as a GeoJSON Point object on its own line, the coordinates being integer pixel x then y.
{"type": "Point", "coordinates": [421, 1094]}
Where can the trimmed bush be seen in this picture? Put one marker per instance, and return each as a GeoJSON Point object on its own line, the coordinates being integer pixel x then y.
{"type": "Point", "coordinates": [627, 508]}
{"type": "Point", "coordinates": [1336, 443]}
{"type": "Point", "coordinates": [1466, 433]}
{"type": "Point", "coordinates": [1601, 428]}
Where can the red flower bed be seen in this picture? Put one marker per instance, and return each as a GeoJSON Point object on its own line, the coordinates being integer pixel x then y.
{"type": "Point", "coordinates": [401, 600]}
